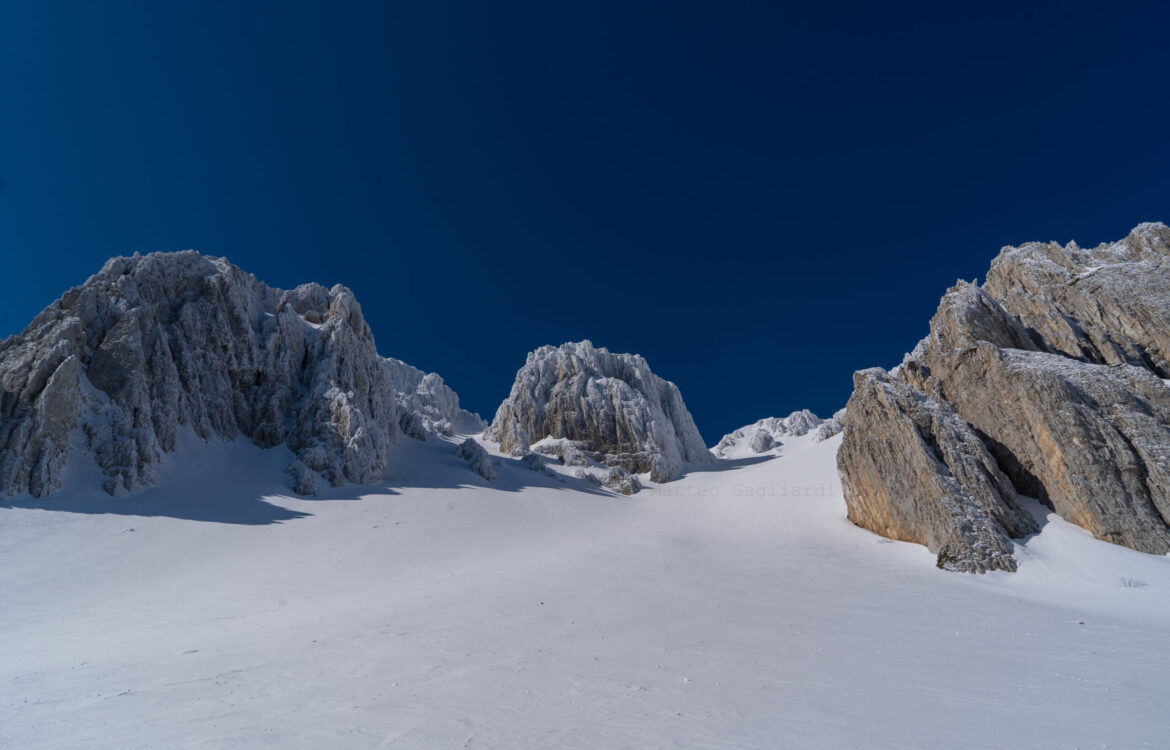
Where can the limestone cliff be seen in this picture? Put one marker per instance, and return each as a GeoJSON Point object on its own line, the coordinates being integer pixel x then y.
{"type": "Point", "coordinates": [1056, 364]}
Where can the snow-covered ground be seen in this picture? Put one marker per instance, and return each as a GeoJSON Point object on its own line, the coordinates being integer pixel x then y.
{"type": "Point", "coordinates": [734, 608]}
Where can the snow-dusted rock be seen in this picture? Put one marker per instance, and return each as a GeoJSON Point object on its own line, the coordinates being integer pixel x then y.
{"type": "Point", "coordinates": [739, 441]}
{"type": "Point", "coordinates": [619, 480]}
{"type": "Point", "coordinates": [611, 405]}
{"type": "Point", "coordinates": [761, 441]}
{"type": "Point", "coordinates": [799, 423]}
{"type": "Point", "coordinates": [1058, 364]}
{"type": "Point", "coordinates": [589, 476]}
{"type": "Point", "coordinates": [155, 344]}
{"type": "Point", "coordinates": [769, 433]}
{"type": "Point", "coordinates": [479, 460]}
{"type": "Point", "coordinates": [830, 427]}
{"type": "Point", "coordinates": [533, 462]}
{"type": "Point", "coordinates": [568, 451]}
{"type": "Point", "coordinates": [427, 407]}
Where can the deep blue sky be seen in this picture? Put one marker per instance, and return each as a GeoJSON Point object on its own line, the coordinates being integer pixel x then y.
{"type": "Point", "coordinates": [759, 199]}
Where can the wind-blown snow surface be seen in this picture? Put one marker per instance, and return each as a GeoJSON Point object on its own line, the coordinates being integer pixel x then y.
{"type": "Point", "coordinates": [733, 608]}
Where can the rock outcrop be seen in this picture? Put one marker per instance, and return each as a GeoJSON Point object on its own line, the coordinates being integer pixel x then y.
{"type": "Point", "coordinates": [1105, 305]}
{"type": "Point", "coordinates": [479, 460]}
{"type": "Point", "coordinates": [919, 473]}
{"type": "Point", "coordinates": [1056, 364]}
{"type": "Point", "coordinates": [427, 407]}
{"type": "Point", "coordinates": [157, 344]}
{"type": "Point", "coordinates": [611, 406]}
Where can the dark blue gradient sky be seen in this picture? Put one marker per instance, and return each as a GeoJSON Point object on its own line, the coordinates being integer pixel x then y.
{"type": "Point", "coordinates": [759, 199]}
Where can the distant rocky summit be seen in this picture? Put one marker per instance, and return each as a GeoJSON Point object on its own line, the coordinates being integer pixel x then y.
{"type": "Point", "coordinates": [157, 344]}
{"type": "Point", "coordinates": [479, 460]}
{"type": "Point", "coordinates": [768, 433]}
{"type": "Point", "coordinates": [1047, 381]}
{"type": "Point", "coordinates": [609, 406]}
{"type": "Point", "coordinates": [427, 406]}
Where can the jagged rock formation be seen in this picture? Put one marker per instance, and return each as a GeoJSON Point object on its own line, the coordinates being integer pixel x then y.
{"type": "Point", "coordinates": [1105, 305]}
{"type": "Point", "coordinates": [611, 405]}
{"type": "Point", "coordinates": [768, 433]}
{"type": "Point", "coordinates": [621, 481]}
{"type": "Point", "coordinates": [479, 460]}
{"type": "Point", "coordinates": [1056, 364]}
{"type": "Point", "coordinates": [919, 473]}
{"type": "Point", "coordinates": [427, 406]}
{"type": "Point", "coordinates": [798, 423]}
{"type": "Point", "coordinates": [152, 345]}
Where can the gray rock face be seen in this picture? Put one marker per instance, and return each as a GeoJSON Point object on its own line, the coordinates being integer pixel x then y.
{"type": "Point", "coordinates": [830, 427]}
{"type": "Point", "coordinates": [154, 344]}
{"type": "Point", "coordinates": [427, 407]}
{"type": "Point", "coordinates": [1056, 364]}
{"type": "Point", "coordinates": [919, 473]}
{"type": "Point", "coordinates": [1104, 305]}
{"type": "Point", "coordinates": [610, 405]}
{"type": "Point", "coordinates": [1089, 439]}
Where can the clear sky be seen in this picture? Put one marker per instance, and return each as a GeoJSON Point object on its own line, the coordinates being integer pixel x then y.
{"type": "Point", "coordinates": [758, 198]}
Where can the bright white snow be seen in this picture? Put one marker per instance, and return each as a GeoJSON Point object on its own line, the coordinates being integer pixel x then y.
{"type": "Point", "coordinates": [734, 608]}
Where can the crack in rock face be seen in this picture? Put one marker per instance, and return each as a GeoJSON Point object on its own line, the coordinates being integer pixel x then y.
{"type": "Point", "coordinates": [610, 406]}
{"type": "Point", "coordinates": [1057, 365]}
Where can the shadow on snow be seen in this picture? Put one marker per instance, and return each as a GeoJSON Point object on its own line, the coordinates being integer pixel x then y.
{"type": "Point", "coordinates": [250, 488]}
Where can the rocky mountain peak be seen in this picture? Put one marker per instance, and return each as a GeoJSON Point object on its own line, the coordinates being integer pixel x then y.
{"type": "Point", "coordinates": [155, 344]}
{"type": "Point", "coordinates": [610, 405]}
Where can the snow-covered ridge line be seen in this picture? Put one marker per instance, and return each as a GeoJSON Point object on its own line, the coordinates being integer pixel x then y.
{"type": "Point", "coordinates": [766, 434]}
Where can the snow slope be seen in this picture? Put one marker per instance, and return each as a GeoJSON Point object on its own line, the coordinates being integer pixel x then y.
{"type": "Point", "coordinates": [733, 608]}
